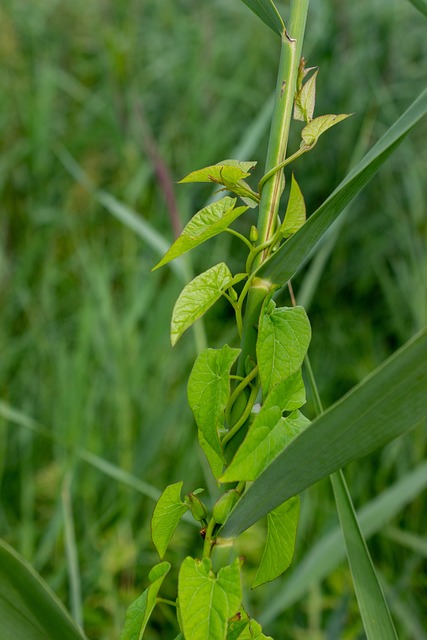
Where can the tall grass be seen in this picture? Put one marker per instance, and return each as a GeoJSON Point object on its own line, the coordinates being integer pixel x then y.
{"type": "Point", "coordinates": [83, 332]}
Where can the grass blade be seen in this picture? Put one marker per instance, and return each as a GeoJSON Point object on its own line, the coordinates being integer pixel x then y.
{"type": "Point", "coordinates": [292, 255]}
{"type": "Point", "coordinates": [267, 12]}
{"type": "Point", "coordinates": [373, 608]}
{"type": "Point", "coordinates": [76, 602]}
{"type": "Point", "coordinates": [421, 5]}
{"type": "Point", "coordinates": [28, 608]}
{"type": "Point", "coordinates": [388, 403]}
{"type": "Point", "coordinates": [329, 551]}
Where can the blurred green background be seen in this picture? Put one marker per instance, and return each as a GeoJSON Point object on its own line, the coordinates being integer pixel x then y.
{"type": "Point", "coordinates": [104, 105]}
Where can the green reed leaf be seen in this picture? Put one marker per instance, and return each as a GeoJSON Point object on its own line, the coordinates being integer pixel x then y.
{"type": "Point", "coordinates": [387, 404]}
{"type": "Point", "coordinates": [268, 13]}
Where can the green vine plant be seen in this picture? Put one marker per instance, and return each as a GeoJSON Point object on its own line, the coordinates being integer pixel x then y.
{"type": "Point", "coordinates": [247, 399]}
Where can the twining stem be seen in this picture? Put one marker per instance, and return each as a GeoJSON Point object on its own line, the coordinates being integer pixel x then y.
{"type": "Point", "coordinates": [209, 540]}
{"type": "Point", "coordinates": [291, 49]}
{"type": "Point", "coordinates": [240, 236]}
{"type": "Point", "coordinates": [245, 415]}
{"type": "Point", "coordinates": [238, 390]}
{"type": "Point", "coordinates": [303, 148]}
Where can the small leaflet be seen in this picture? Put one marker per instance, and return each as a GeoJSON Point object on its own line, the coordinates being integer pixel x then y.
{"type": "Point", "coordinates": [283, 338]}
{"type": "Point", "coordinates": [312, 131]}
{"type": "Point", "coordinates": [295, 215]}
{"type": "Point", "coordinates": [205, 224]}
{"type": "Point", "coordinates": [197, 297]}
{"type": "Point", "coordinates": [140, 610]}
{"type": "Point", "coordinates": [208, 393]}
{"type": "Point", "coordinates": [226, 171]}
{"type": "Point", "coordinates": [166, 517]}
{"type": "Point", "coordinates": [305, 100]}
{"type": "Point", "coordinates": [268, 435]}
{"type": "Point", "coordinates": [218, 598]}
{"type": "Point", "coordinates": [281, 535]}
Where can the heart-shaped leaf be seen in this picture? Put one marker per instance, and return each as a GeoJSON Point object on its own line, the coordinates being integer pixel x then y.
{"type": "Point", "coordinates": [166, 516]}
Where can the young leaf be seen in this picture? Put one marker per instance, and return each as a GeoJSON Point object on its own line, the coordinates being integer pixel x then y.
{"type": "Point", "coordinates": [268, 435]}
{"type": "Point", "coordinates": [387, 404]}
{"type": "Point", "coordinates": [230, 171]}
{"type": "Point", "coordinates": [197, 297]}
{"type": "Point", "coordinates": [280, 545]}
{"type": "Point", "coordinates": [216, 460]}
{"type": "Point", "coordinates": [305, 100]}
{"type": "Point", "coordinates": [267, 12]}
{"type": "Point", "coordinates": [286, 261]}
{"type": "Point", "coordinates": [140, 611]}
{"type": "Point", "coordinates": [208, 393]}
{"type": "Point", "coordinates": [29, 610]}
{"type": "Point", "coordinates": [312, 131]}
{"type": "Point", "coordinates": [205, 224]}
{"type": "Point", "coordinates": [295, 215]}
{"type": "Point", "coordinates": [288, 395]}
{"type": "Point", "coordinates": [166, 516]}
{"type": "Point", "coordinates": [370, 597]}
{"type": "Point", "coordinates": [283, 338]}
{"type": "Point", "coordinates": [207, 601]}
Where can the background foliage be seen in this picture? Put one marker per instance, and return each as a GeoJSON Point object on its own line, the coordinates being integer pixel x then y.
{"type": "Point", "coordinates": [138, 94]}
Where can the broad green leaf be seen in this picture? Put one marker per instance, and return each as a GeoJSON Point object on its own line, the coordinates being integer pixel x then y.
{"type": "Point", "coordinates": [312, 131]}
{"type": "Point", "coordinates": [216, 460]}
{"type": "Point", "coordinates": [281, 534]}
{"type": "Point", "coordinates": [208, 393]}
{"type": "Point", "coordinates": [268, 435]}
{"type": "Point", "coordinates": [285, 262]}
{"type": "Point", "coordinates": [305, 100]}
{"type": "Point", "coordinates": [387, 404]}
{"type": "Point", "coordinates": [207, 601]}
{"type": "Point", "coordinates": [268, 13]}
{"type": "Point", "coordinates": [328, 551]}
{"type": "Point", "coordinates": [288, 395]}
{"type": "Point", "coordinates": [197, 297]}
{"type": "Point", "coordinates": [205, 224]}
{"type": "Point", "coordinates": [140, 611]}
{"type": "Point", "coordinates": [295, 215]}
{"type": "Point", "coordinates": [373, 608]}
{"type": "Point", "coordinates": [226, 171]}
{"type": "Point", "coordinates": [283, 338]}
{"type": "Point", "coordinates": [166, 516]}
{"type": "Point", "coordinates": [421, 5]}
{"type": "Point", "coordinates": [29, 610]}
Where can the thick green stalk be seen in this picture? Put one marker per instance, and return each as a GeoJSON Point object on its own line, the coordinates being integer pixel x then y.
{"type": "Point", "coordinates": [291, 48]}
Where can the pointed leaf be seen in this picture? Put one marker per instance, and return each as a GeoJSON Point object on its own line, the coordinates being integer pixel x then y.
{"type": "Point", "coordinates": [197, 297]}
{"type": "Point", "coordinates": [268, 435]}
{"type": "Point", "coordinates": [329, 551]}
{"type": "Point", "coordinates": [283, 338]}
{"type": "Point", "coordinates": [166, 516]}
{"type": "Point", "coordinates": [205, 224]}
{"type": "Point", "coordinates": [29, 610]}
{"type": "Point", "coordinates": [267, 12]}
{"type": "Point", "coordinates": [216, 460]}
{"type": "Point", "coordinates": [230, 171]}
{"type": "Point", "coordinates": [312, 131]}
{"type": "Point", "coordinates": [421, 5]}
{"type": "Point", "coordinates": [288, 395]}
{"type": "Point", "coordinates": [140, 611]}
{"type": "Point", "coordinates": [387, 404]}
{"type": "Point", "coordinates": [373, 607]}
{"type": "Point", "coordinates": [295, 215]}
{"type": "Point", "coordinates": [305, 100]}
{"type": "Point", "coordinates": [207, 601]}
{"type": "Point", "coordinates": [286, 261]}
{"type": "Point", "coordinates": [208, 393]}
{"type": "Point", "coordinates": [280, 545]}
